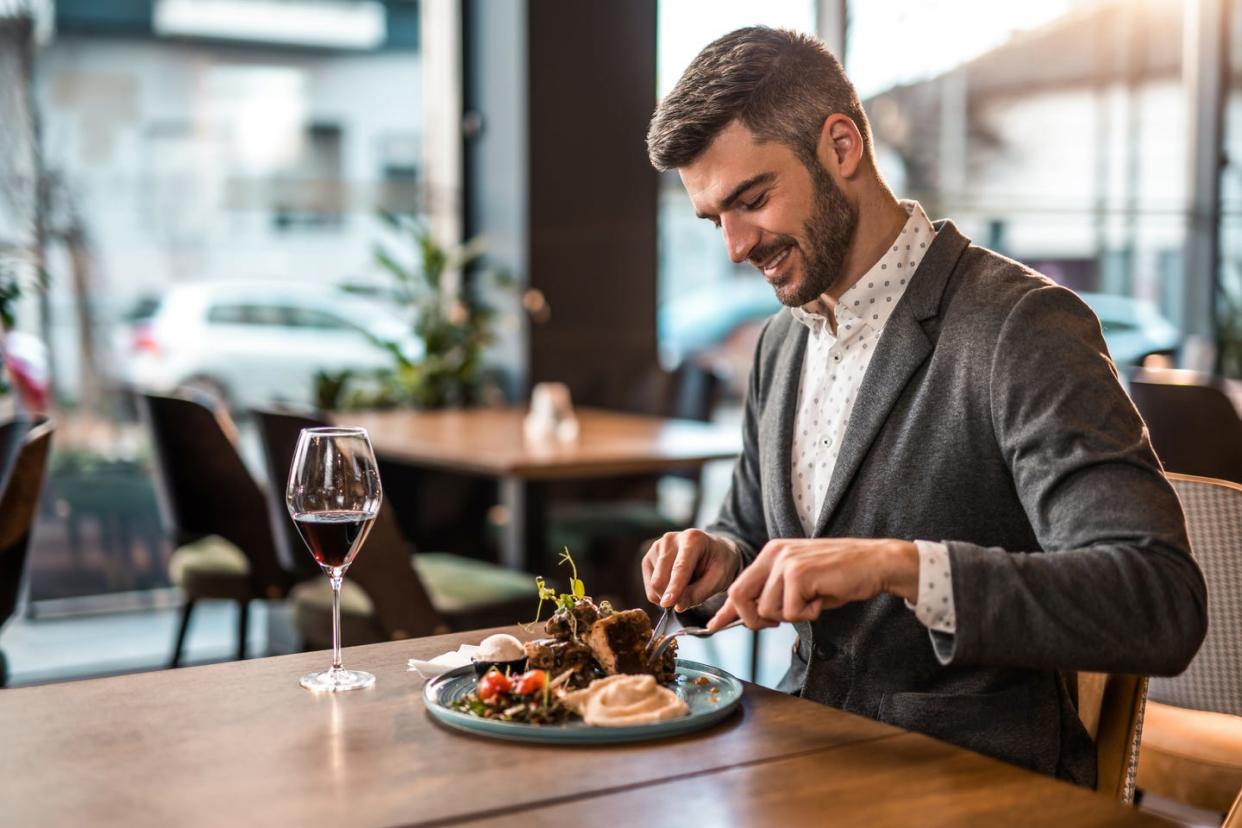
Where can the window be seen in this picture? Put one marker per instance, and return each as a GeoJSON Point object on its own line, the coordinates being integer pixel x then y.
{"type": "Point", "coordinates": [1054, 133]}
{"type": "Point", "coordinates": [254, 152]}
{"type": "Point", "coordinates": [1229, 299]}
{"type": "Point", "coordinates": [312, 319]}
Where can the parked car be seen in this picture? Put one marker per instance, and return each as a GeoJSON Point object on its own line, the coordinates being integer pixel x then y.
{"type": "Point", "coordinates": [255, 343]}
{"type": "Point", "coordinates": [719, 325]}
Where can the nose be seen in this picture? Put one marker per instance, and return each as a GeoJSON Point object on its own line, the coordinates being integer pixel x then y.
{"type": "Point", "coordinates": [739, 238]}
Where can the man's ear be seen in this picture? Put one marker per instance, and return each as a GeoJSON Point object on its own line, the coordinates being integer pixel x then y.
{"type": "Point", "coordinates": [840, 145]}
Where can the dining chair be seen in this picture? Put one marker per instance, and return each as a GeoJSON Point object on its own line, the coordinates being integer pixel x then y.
{"type": "Point", "coordinates": [392, 591]}
{"type": "Point", "coordinates": [602, 532]}
{"type": "Point", "coordinates": [1194, 426]}
{"type": "Point", "coordinates": [19, 500]}
{"type": "Point", "coordinates": [1192, 734]}
{"type": "Point", "coordinates": [214, 510]}
{"type": "Point", "coordinates": [1110, 706]}
{"type": "Point", "coordinates": [12, 431]}
{"type": "Point", "coordinates": [1234, 818]}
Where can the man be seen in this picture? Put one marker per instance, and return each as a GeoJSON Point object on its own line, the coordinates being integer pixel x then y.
{"type": "Point", "coordinates": [942, 485]}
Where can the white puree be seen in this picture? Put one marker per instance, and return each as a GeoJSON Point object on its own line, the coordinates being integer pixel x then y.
{"type": "Point", "coordinates": [624, 700]}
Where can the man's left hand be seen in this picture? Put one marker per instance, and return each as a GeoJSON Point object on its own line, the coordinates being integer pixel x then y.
{"type": "Point", "coordinates": [796, 579]}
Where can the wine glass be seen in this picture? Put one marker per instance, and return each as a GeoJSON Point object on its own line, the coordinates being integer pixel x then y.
{"type": "Point", "coordinates": [333, 496]}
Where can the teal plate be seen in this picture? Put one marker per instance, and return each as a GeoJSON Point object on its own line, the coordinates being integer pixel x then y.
{"type": "Point", "coordinates": [445, 689]}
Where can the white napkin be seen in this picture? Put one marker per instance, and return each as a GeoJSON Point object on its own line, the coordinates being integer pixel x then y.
{"type": "Point", "coordinates": [444, 662]}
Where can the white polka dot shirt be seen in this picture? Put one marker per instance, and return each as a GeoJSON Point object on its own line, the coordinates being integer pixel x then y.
{"type": "Point", "coordinates": [832, 373]}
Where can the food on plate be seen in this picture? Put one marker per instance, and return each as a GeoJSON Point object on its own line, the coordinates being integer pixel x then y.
{"type": "Point", "coordinates": [493, 683]}
{"type": "Point", "coordinates": [502, 651]}
{"type": "Point", "coordinates": [527, 698]}
{"type": "Point", "coordinates": [619, 642]}
{"type": "Point", "coordinates": [588, 646]}
{"type": "Point", "coordinates": [624, 701]}
{"type": "Point", "coordinates": [501, 647]}
{"type": "Point", "coordinates": [557, 656]}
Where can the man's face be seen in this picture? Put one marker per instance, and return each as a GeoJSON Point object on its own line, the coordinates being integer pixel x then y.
{"type": "Point", "coordinates": [792, 223]}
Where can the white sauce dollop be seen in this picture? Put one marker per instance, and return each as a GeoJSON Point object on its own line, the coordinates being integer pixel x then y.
{"type": "Point", "coordinates": [625, 700]}
{"type": "Point", "coordinates": [500, 647]}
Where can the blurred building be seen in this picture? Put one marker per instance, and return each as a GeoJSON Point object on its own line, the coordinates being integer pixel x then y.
{"type": "Point", "coordinates": [226, 139]}
{"type": "Point", "coordinates": [1065, 148]}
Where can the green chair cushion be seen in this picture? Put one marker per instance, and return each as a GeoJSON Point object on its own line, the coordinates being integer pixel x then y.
{"type": "Point", "coordinates": [312, 613]}
{"type": "Point", "coordinates": [211, 567]}
{"type": "Point", "coordinates": [457, 585]}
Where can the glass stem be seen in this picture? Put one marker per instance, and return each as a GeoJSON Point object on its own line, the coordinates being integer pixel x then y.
{"type": "Point", "coordinates": [336, 621]}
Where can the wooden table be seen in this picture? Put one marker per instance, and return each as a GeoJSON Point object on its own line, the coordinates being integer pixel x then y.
{"type": "Point", "coordinates": [491, 442]}
{"type": "Point", "coordinates": [242, 743]}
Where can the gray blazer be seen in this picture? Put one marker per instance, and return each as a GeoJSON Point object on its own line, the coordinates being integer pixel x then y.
{"type": "Point", "coordinates": [990, 418]}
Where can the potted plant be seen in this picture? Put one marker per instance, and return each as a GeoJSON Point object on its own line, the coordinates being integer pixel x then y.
{"type": "Point", "coordinates": [442, 288]}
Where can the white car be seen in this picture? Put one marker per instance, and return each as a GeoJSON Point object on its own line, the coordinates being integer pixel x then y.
{"type": "Point", "coordinates": [257, 343]}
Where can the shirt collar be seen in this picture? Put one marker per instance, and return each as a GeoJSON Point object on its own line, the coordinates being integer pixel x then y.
{"type": "Point", "coordinates": [871, 299]}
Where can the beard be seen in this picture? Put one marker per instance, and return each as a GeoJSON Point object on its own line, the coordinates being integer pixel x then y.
{"type": "Point", "coordinates": [829, 233]}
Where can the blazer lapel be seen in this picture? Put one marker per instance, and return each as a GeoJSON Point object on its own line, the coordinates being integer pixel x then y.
{"type": "Point", "coordinates": [902, 348]}
{"type": "Point", "coordinates": [778, 419]}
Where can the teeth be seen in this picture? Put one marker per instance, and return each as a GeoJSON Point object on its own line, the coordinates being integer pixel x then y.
{"type": "Point", "coordinates": [780, 257]}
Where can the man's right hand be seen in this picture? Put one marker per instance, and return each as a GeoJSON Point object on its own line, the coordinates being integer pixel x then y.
{"type": "Point", "coordinates": [684, 569]}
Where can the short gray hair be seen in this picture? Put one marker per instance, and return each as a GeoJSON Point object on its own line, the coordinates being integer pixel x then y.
{"type": "Point", "coordinates": [781, 85]}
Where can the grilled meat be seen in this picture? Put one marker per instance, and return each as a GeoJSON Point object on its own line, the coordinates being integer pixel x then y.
{"type": "Point", "coordinates": [557, 656]}
{"type": "Point", "coordinates": [619, 642]}
{"type": "Point", "coordinates": [665, 669]}
{"type": "Point", "coordinates": [565, 625]}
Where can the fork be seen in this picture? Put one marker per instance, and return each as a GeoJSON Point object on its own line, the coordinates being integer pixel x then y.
{"type": "Point", "coordinates": [694, 632]}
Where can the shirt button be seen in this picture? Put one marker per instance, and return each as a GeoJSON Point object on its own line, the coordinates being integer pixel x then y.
{"type": "Point", "coordinates": [827, 441]}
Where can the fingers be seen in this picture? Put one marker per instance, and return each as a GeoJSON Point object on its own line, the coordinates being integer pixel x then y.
{"type": "Point", "coordinates": [771, 603]}
{"type": "Point", "coordinates": [648, 570]}
{"type": "Point", "coordinates": [660, 557]}
{"type": "Point", "coordinates": [745, 592]}
{"type": "Point", "coordinates": [807, 612]}
{"type": "Point", "coordinates": [670, 564]}
{"type": "Point", "coordinates": [711, 578]}
{"type": "Point", "coordinates": [727, 614]}
{"type": "Point", "coordinates": [692, 544]}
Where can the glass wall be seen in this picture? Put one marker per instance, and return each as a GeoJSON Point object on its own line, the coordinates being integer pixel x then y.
{"type": "Point", "coordinates": [1055, 133]}
{"type": "Point", "coordinates": [1229, 298]}
{"type": "Point", "coordinates": [213, 174]}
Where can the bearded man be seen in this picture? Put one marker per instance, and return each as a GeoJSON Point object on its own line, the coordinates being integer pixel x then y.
{"type": "Point", "coordinates": [943, 484]}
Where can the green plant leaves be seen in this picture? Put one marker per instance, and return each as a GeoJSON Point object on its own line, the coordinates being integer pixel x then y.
{"type": "Point", "coordinates": [453, 323]}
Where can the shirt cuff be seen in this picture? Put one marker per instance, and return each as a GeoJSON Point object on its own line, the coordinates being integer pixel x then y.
{"type": "Point", "coordinates": [935, 604]}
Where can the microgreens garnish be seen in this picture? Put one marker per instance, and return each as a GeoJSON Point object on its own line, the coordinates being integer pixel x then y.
{"type": "Point", "coordinates": [564, 600]}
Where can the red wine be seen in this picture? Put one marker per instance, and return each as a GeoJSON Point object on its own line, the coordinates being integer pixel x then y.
{"type": "Point", "coordinates": [334, 537]}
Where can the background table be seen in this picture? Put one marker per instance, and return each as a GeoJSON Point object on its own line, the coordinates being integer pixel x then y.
{"type": "Point", "coordinates": [491, 442]}
{"type": "Point", "coordinates": [242, 743]}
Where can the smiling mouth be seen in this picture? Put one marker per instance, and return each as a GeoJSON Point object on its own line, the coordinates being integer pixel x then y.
{"type": "Point", "coordinates": [773, 264]}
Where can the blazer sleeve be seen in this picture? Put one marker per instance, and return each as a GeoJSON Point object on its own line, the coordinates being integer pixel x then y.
{"type": "Point", "coordinates": [741, 518]}
{"type": "Point", "coordinates": [1114, 587]}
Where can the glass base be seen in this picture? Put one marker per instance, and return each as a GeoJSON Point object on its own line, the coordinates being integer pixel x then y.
{"type": "Point", "coordinates": [333, 681]}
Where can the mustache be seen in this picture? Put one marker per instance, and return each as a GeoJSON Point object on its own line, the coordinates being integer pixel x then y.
{"type": "Point", "coordinates": [762, 254]}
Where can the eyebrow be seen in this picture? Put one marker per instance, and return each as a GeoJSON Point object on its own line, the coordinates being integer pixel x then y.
{"type": "Point", "coordinates": [728, 201]}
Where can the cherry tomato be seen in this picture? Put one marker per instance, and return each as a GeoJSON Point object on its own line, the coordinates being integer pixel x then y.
{"type": "Point", "coordinates": [492, 684]}
{"type": "Point", "coordinates": [532, 681]}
